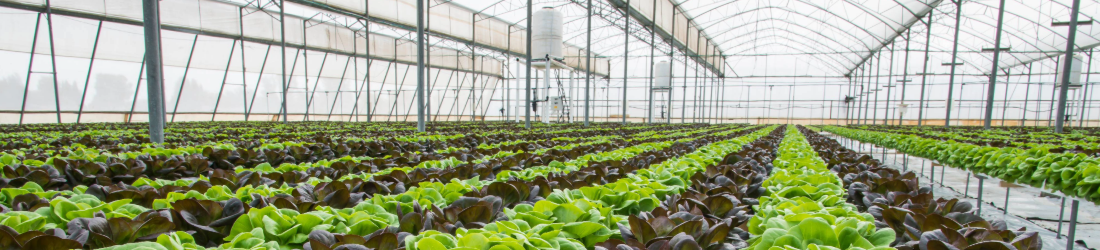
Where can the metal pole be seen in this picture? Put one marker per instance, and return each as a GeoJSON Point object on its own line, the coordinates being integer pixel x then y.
{"type": "Point", "coordinates": [981, 183]}
{"type": "Point", "coordinates": [1073, 208]}
{"type": "Point", "coordinates": [867, 101]}
{"type": "Point", "coordinates": [588, 66]}
{"type": "Point", "coordinates": [683, 100]}
{"type": "Point", "coordinates": [905, 72]}
{"type": "Point", "coordinates": [527, 105]}
{"type": "Point", "coordinates": [1004, 109]}
{"type": "Point", "coordinates": [1070, 42]}
{"type": "Point", "coordinates": [652, 66]}
{"type": "Point", "coordinates": [954, 57]}
{"type": "Point", "coordinates": [183, 82]}
{"type": "Point", "coordinates": [626, 53]}
{"type": "Point", "coordinates": [137, 89]}
{"type": "Point", "coordinates": [151, 12]}
{"type": "Point", "coordinates": [1061, 216]}
{"type": "Point", "coordinates": [1027, 97]}
{"type": "Point", "coordinates": [924, 75]}
{"type": "Point", "coordinates": [53, 60]}
{"type": "Point", "coordinates": [88, 77]}
{"type": "Point", "coordinates": [225, 77]}
{"type": "Point", "coordinates": [889, 81]}
{"type": "Point", "coordinates": [420, 66]}
{"type": "Point", "coordinates": [30, 70]}
{"type": "Point", "coordinates": [996, 61]}
{"type": "Point", "coordinates": [1084, 91]}
{"type": "Point", "coordinates": [878, 86]}
{"type": "Point", "coordinates": [282, 47]}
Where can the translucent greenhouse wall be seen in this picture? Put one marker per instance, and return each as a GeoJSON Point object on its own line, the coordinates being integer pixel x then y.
{"type": "Point", "coordinates": [328, 65]}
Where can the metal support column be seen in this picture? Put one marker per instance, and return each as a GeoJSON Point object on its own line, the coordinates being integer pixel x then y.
{"type": "Point", "coordinates": [1085, 95]}
{"type": "Point", "coordinates": [1004, 108]}
{"type": "Point", "coordinates": [30, 69]}
{"type": "Point", "coordinates": [1064, 90]}
{"type": "Point", "coordinates": [652, 67]}
{"type": "Point", "coordinates": [626, 54]}
{"type": "Point", "coordinates": [527, 104]}
{"type": "Point", "coordinates": [1027, 97]}
{"type": "Point", "coordinates": [996, 61]}
{"type": "Point", "coordinates": [889, 88]}
{"type": "Point", "coordinates": [88, 77]}
{"type": "Point", "coordinates": [420, 65]}
{"type": "Point", "coordinates": [151, 13]}
{"type": "Point", "coordinates": [183, 82]}
{"type": "Point", "coordinates": [282, 47]}
{"type": "Point", "coordinates": [588, 65]}
{"type": "Point", "coordinates": [225, 77]}
{"type": "Point", "coordinates": [924, 71]}
{"type": "Point", "coordinates": [53, 60]}
{"type": "Point", "coordinates": [954, 63]}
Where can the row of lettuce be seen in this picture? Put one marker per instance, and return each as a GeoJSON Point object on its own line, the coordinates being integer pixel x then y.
{"type": "Point", "coordinates": [1082, 138]}
{"type": "Point", "coordinates": [1074, 174]}
{"type": "Point", "coordinates": [80, 211]}
{"type": "Point", "coordinates": [805, 206]}
{"type": "Point", "coordinates": [919, 219]}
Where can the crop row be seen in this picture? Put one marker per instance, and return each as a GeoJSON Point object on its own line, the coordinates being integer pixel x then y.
{"type": "Point", "coordinates": [365, 215]}
{"type": "Point", "coordinates": [1077, 140]}
{"type": "Point", "coordinates": [918, 219]}
{"type": "Point", "coordinates": [1075, 174]}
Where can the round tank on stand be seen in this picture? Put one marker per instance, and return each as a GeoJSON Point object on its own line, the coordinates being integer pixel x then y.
{"type": "Point", "coordinates": [548, 33]}
{"type": "Point", "coordinates": [663, 76]}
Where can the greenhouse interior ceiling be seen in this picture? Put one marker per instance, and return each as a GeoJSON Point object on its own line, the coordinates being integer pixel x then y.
{"type": "Point", "coordinates": [810, 61]}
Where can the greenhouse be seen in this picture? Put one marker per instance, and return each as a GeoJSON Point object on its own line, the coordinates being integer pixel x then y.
{"type": "Point", "coordinates": [549, 124]}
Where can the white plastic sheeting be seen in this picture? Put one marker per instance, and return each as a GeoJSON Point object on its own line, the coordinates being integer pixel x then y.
{"type": "Point", "coordinates": [325, 67]}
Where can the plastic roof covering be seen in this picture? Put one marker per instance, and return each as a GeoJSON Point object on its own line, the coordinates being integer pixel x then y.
{"type": "Point", "coordinates": [838, 35]}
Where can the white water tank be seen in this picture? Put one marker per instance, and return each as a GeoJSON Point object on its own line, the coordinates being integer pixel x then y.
{"type": "Point", "coordinates": [1074, 71]}
{"type": "Point", "coordinates": [663, 76]}
{"type": "Point", "coordinates": [548, 32]}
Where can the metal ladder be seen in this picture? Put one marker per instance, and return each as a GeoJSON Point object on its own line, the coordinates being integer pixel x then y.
{"type": "Point", "coordinates": [564, 116]}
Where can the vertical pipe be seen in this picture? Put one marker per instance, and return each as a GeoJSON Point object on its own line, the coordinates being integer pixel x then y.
{"type": "Point", "coordinates": [1084, 99]}
{"type": "Point", "coordinates": [683, 100]}
{"type": "Point", "coordinates": [1070, 42]}
{"type": "Point", "coordinates": [652, 64]}
{"type": "Point", "coordinates": [527, 105]}
{"type": "Point", "coordinates": [88, 77]}
{"type": "Point", "coordinates": [30, 70]}
{"type": "Point", "coordinates": [53, 60]}
{"type": "Point", "coordinates": [225, 77]}
{"type": "Point", "coordinates": [905, 72]}
{"type": "Point", "coordinates": [154, 77]}
{"type": "Point", "coordinates": [282, 47]}
{"type": "Point", "coordinates": [420, 65]}
{"type": "Point", "coordinates": [244, 78]}
{"type": "Point", "coordinates": [1061, 216]}
{"type": "Point", "coordinates": [1004, 109]}
{"type": "Point", "coordinates": [137, 89]}
{"type": "Point", "coordinates": [1073, 208]}
{"type": "Point", "coordinates": [954, 57]}
{"type": "Point", "coordinates": [889, 81]}
{"type": "Point", "coordinates": [924, 73]}
{"type": "Point", "coordinates": [626, 53]}
{"type": "Point", "coordinates": [588, 65]}
{"type": "Point", "coordinates": [996, 61]}
{"type": "Point", "coordinates": [878, 86]}
{"type": "Point", "coordinates": [1027, 97]}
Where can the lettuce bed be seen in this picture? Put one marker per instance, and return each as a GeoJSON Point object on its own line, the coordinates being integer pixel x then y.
{"type": "Point", "coordinates": [1074, 174]}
